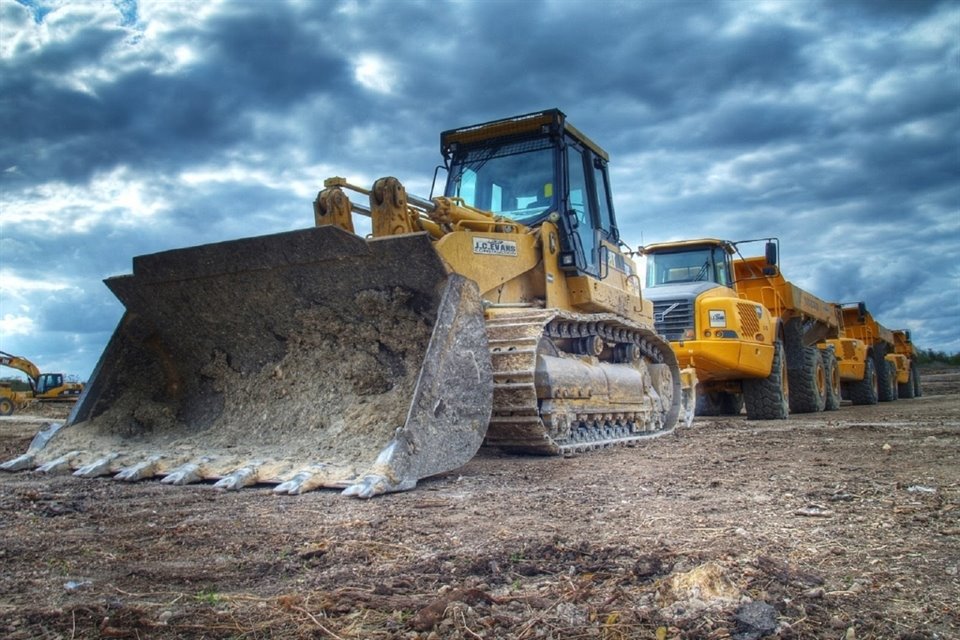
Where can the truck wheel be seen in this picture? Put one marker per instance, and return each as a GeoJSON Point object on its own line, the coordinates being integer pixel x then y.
{"type": "Point", "coordinates": [6, 406]}
{"type": "Point", "coordinates": [886, 377]}
{"type": "Point", "coordinates": [769, 398]}
{"type": "Point", "coordinates": [808, 382]}
{"type": "Point", "coordinates": [832, 371]}
{"type": "Point", "coordinates": [908, 389]}
{"type": "Point", "coordinates": [865, 391]}
{"type": "Point", "coordinates": [915, 371]}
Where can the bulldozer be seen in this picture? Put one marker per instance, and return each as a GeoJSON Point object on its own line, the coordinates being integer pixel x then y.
{"type": "Point", "coordinates": [44, 387]}
{"type": "Point", "coordinates": [506, 312]}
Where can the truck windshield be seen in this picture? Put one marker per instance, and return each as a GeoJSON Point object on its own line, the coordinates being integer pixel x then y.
{"type": "Point", "coordinates": [695, 265]}
{"type": "Point", "coordinates": [513, 179]}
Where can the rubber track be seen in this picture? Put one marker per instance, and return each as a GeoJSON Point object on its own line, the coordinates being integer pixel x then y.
{"type": "Point", "coordinates": [517, 423]}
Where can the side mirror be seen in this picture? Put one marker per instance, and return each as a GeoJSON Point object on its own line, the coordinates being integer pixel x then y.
{"type": "Point", "coordinates": [771, 253]}
{"type": "Point", "coordinates": [862, 310]}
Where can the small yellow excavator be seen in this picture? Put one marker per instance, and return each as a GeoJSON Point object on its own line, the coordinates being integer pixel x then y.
{"type": "Point", "coordinates": [45, 387]}
{"type": "Point", "coordinates": [504, 312]}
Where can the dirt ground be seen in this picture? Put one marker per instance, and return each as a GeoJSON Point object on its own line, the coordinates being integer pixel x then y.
{"type": "Point", "coordinates": [837, 525]}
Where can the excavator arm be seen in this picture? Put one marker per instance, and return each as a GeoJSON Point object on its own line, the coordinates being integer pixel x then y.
{"type": "Point", "coordinates": [21, 364]}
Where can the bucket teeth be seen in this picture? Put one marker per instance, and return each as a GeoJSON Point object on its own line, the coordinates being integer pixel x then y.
{"type": "Point", "coordinates": [140, 471]}
{"type": "Point", "coordinates": [59, 465]}
{"type": "Point", "coordinates": [242, 477]}
{"type": "Point", "coordinates": [97, 468]}
{"type": "Point", "coordinates": [374, 485]}
{"type": "Point", "coordinates": [20, 463]}
{"type": "Point", "coordinates": [307, 479]}
{"type": "Point", "coordinates": [188, 473]}
{"type": "Point", "coordinates": [295, 485]}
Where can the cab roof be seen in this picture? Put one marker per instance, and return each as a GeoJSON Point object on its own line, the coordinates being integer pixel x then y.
{"type": "Point", "coordinates": [516, 125]}
{"type": "Point", "coordinates": [681, 245]}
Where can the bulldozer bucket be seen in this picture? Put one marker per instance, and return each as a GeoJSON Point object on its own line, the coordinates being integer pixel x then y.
{"type": "Point", "coordinates": [306, 359]}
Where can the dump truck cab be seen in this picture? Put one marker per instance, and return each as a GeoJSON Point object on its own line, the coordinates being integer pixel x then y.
{"type": "Point", "coordinates": [697, 309]}
{"type": "Point", "coordinates": [727, 339]}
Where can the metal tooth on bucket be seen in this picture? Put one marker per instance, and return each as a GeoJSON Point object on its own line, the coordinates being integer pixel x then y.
{"type": "Point", "coordinates": [306, 359]}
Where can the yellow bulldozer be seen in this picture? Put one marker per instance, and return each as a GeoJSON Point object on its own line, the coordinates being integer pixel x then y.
{"type": "Point", "coordinates": [44, 387]}
{"type": "Point", "coordinates": [504, 312]}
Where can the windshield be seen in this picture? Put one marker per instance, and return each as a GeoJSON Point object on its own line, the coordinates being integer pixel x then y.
{"type": "Point", "coordinates": [512, 179]}
{"type": "Point", "coordinates": [700, 264]}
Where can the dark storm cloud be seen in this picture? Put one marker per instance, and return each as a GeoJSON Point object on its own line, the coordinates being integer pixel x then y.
{"type": "Point", "coordinates": [147, 117]}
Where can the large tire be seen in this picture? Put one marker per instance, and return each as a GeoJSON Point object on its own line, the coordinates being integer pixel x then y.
{"type": "Point", "coordinates": [6, 406]}
{"type": "Point", "coordinates": [832, 371]}
{"type": "Point", "coordinates": [865, 391]}
{"type": "Point", "coordinates": [886, 381]}
{"type": "Point", "coordinates": [769, 398]}
{"type": "Point", "coordinates": [907, 390]}
{"type": "Point", "coordinates": [917, 389]}
{"type": "Point", "coordinates": [719, 403]}
{"type": "Point", "coordinates": [886, 377]}
{"type": "Point", "coordinates": [808, 381]}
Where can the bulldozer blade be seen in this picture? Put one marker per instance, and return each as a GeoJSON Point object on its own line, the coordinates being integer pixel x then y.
{"type": "Point", "coordinates": [306, 359]}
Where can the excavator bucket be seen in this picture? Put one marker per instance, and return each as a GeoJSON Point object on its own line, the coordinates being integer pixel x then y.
{"type": "Point", "coordinates": [306, 359]}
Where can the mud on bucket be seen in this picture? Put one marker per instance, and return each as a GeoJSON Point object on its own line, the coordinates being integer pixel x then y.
{"type": "Point", "coordinates": [306, 359]}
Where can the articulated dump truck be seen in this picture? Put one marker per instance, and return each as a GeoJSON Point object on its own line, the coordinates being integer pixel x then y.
{"type": "Point", "coordinates": [813, 374]}
{"type": "Point", "coordinates": [876, 364]}
{"type": "Point", "coordinates": [502, 312]}
{"type": "Point", "coordinates": [734, 344]}
{"type": "Point", "coordinates": [758, 340]}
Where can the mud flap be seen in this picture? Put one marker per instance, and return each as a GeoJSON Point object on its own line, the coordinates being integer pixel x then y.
{"type": "Point", "coordinates": [305, 359]}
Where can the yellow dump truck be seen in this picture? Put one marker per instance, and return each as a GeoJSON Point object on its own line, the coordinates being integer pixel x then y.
{"type": "Point", "coordinates": [503, 311]}
{"type": "Point", "coordinates": [806, 322]}
{"type": "Point", "coordinates": [820, 352]}
{"type": "Point", "coordinates": [873, 366]}
{"type": "Point", "coordinates": [903, 345]}
{"type": "Point", "coordinates": [735, 344]}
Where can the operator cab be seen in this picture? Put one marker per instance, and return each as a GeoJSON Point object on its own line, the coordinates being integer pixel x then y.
{"type": "Point", "coordinates": [532, 168]}
{"type": "Point", "coordinates": [697, 261]}
{"type": "Point", "coordinates": [48, 381]}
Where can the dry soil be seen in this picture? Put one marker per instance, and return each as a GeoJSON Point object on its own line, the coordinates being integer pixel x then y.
{"type": "Point", "coordinates": [837, 525]}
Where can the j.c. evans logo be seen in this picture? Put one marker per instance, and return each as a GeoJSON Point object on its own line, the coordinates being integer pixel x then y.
{"type": "Point", "coordinates": [494, 247]}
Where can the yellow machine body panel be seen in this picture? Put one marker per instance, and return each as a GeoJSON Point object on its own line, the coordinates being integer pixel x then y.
{"type": "Point", "coordinates": [851, 357]}
{"type": "Point", "coordinates": [763, 283]}
{"type": "Point", "coordinates": [734, 338]}
{"type": "Point", "coordinates": [859, 323]}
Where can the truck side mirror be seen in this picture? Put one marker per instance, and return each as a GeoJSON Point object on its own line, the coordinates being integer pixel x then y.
{"type": "Point", "coordinates": [771, 253]}
{"type": "Point", "coordinates": [862, 310]}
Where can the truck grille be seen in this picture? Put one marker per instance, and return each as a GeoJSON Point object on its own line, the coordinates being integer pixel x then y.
{"type": "Point", "coordinates": [749, 321]}
{"type": "Point", "coordinates": [672, 317]}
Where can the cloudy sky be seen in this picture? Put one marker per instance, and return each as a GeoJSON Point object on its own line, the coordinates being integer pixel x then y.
{"type": "Point", "coordinates": [134, 126]}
